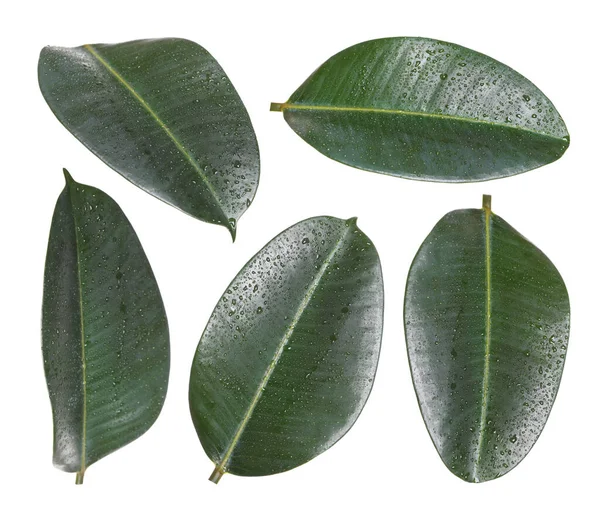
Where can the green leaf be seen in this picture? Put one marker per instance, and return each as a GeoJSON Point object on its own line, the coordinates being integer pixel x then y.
{"type": "Point", "coordinates": [426, 110]}
{"type": "Point", "coordinates": [486, 317]}
{"type": "Point", "coordinates": [288, 357]}
{"type": "Point", "coordinates": [163, 114]}
{"type": "Point", "coordinates": [105, 338]}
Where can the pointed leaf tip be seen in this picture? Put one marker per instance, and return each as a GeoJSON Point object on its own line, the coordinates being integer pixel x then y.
{"type": "Point", "coordinates": [352, 221]}
{"type": "Point", "coordinates": [68, 177]}
{"type": "Point", "coordinates": [232, 230]}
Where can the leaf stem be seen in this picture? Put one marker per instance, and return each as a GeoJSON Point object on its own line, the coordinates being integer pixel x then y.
{"type": "Point", "coordinates": [216, 476]}
{"type": "Point", "coordinates": [487, 202]}
{"type": "Point", "coordinates": [79, 477]}
{"type": "Point", "coordinates": [276, 107]}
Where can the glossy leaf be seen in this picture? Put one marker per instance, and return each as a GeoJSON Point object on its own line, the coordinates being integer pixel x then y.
{"type": "Point", "coordinates": [105, 338]}
{"type": "Point", "coordinates": [426, 110]}
{"type": "Point", "coordinates": [163, 114]}
{"type": "Point", "coordinates": [486, 317]}
{"type": "Point", "coordinates": [288, 357]}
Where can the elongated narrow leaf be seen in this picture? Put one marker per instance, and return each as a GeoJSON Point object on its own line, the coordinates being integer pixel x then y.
{"type": "Point", "coordinates": [164, 115]}
{"type": "Point", "coordinates": [287, 360]}
{"type": "Point", "coordinates": [105, 338]}
{"type": "Point", "coordinates": [427, 110]}
{"type": "Point", "coordinates": [486, 316]}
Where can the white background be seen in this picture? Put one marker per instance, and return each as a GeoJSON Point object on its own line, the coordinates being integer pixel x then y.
{"type": "Point", "coordinates": [387, 461]}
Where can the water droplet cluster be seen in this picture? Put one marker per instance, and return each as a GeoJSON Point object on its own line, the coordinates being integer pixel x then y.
{"type": "Point", "coordinates": [485, 402]}
{"type": "Point", "coordinates": [163, 114]}
{"type": "Point", "coordinates": [105, 335]}
{"type": "Point", "coordinates": [300, 326]}
{"type": "Point", "coordinates": [427, 110]}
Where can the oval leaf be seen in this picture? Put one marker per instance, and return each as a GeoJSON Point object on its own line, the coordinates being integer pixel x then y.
{"type": "Point", "coordinates": [105, 338]}
{"type": "Point", "coordinates": [427, 110]}
{"type": "Point", "coordinates": [288, 357]}
{"type": "Point", "coordinates": [486, 317]}
{"type": "Point", "coordinates": [163, 114]}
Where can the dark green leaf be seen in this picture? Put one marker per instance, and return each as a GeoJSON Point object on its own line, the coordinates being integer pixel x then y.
{"type": "Point", "coordinates": [105, 338]}
{"type": "Point", "coordinates": [288, 357]}
{"type": "Point", "coordinates": [427, 110]}
{"type": "Point", "coordinates": [486, 317]}
{"type": "Point", "coordinates": [163, 114]}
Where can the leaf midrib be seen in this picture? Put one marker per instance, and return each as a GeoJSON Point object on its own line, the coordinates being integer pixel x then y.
{"type": "Point", "coordinates": [180, 147]}
{"type": "Point", "coordinates": [222, 465]}
{"type": "Point", "coordinates": [375, 110]}
{"type": "Point", "coordinates": [488, 338]}
{"type": "Point", "coordinates": [82, 330]}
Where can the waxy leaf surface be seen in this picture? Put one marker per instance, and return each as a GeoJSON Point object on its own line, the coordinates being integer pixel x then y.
{"type": "Point", "coordinates": [163, 114]}
{"type": "Point", "coordinates": [486, 317]}
{"type": "Point", "coordinates": [289, 355]}
{"type": "Point", "coordinates": [426, 110]}
{"type": "Point", "coordinates": [105, 337]}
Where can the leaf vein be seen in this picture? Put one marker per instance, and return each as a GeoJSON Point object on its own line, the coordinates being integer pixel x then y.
{"type": "Point", "coordinates": [162, 125]}
{"type": "Point", "coordinates": [221, 467]}
{"type": "Point", "coordinates": [79, 478]}
{"type": "Point", "coordinates": [375, 110]}
{"type": "Point", "coordinates": [488, 337]}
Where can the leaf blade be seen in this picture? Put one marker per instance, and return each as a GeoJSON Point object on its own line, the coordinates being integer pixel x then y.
{"type": "Point", "coordinates": [163, 114]}
{"type": "Point", "coordinates": [496, 306]}
{"type": "Point", "coordinates": [373, 107]}
{"type": "Point", "coordinates": [106, 368]}
{"type": "Point", "coordinates": [275, 338]}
